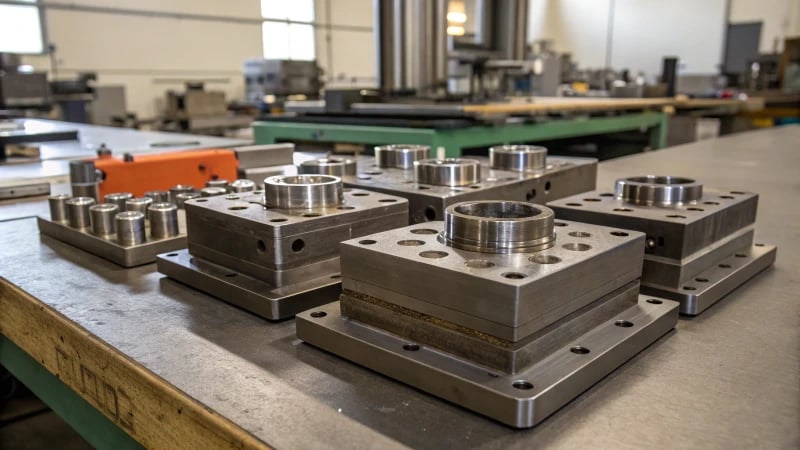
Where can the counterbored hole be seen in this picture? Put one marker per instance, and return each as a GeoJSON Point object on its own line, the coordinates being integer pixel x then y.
{"type": "Point", "coordinates": [623, 323]}
{"type": "Point", "coordinates": [298, 245]}
{"type": "Point", "coordinates": [367, 242]}
{"type": "Point", "coordinates": [430, 213]}
{"type": "Point", "coordinates": [619, 233]}
{"type": "Point", "coordinates": [578, 350]}
{"type": "Point", "coordinates": [701, 280]}
{"type": "Point", "coordinates": [410, 242]}
{"type": "Point", "coordinates": [580, 234]}
{"type": "Point", "coordinates": [262, 247]}
{"type": "Point", "coordinates": [423, 231]}
{"type": "Point", "coordinates": [411, 347]}
{"type": "Point", "coordinates": [577, 247]}
{"type": "Point", "coordinates": [318, 314]}
{"type": "Point", "coordinates": [544, 259]}
{"type": "Point", "coordinates": [514, 275]}
{"type": "Point", "coordinates": [522, 385]}
{"type": "Point", "coordinates": [724, 266]}
{"type": "Point", "coordinates": [478, 264]}
{"type": "Point", "coordinates": [433, 254]}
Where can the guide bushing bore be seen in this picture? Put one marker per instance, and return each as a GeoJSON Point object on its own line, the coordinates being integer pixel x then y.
{"type": "Point", "coordinates": [303, 191]}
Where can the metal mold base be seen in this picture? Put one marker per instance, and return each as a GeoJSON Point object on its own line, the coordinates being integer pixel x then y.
{"type": "Point", "coordinates": [245, 291]}
{"type": "Point", "coordinates": [520, 400]}
{"type": "Point", "coordinates": [126, 256]}
{"type": "Point", "coordinates": [717, 281]}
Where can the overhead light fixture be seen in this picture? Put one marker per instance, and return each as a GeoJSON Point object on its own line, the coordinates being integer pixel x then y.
{"type": "Point", "coordinates": [455, 30]}
{"type": "Point", "coordinates": [456, 12]}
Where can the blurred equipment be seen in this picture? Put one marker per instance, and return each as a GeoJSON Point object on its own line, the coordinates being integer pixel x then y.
{"type": "Point", "coordinates": [74, 95]}
{"type": "Point", "coordinates": [271, 81]}
{"type": "Point", "coordinates": [199, 111]}
{"type": "Point", "coordinates": [20, 87]}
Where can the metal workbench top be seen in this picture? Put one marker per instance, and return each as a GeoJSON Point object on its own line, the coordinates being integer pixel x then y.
{"type": "Point", "coordinates": [729, 378]}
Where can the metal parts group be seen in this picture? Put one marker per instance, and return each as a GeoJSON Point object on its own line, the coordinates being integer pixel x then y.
{"type": "Point", "coordinates": [516, 307]}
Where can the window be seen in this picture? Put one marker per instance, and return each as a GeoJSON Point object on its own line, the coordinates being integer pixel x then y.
{"type": "Point", "coordinates": [288, 40]}
{"type": "Point", "coordinates": [20, 28]}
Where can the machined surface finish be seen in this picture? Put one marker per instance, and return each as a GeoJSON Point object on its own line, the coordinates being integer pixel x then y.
{"type": "Point", "coordinates": [102, 217]}
{"type": "Point", "coordinates": [518, 158]}
{"type": "Point", "coordinates": [335, 166]}
{"type": "Point", "coordinates": [427, 202]}
{"type": "Point", "coordinates": [690, 230]}
{"type": "Point", "coordinates": [400, 156]}
{"type": "Point", "coordinates": [118, 198]}
{"type": "Point", "coordinates": [279, 260]}
{"type": "Point", "coordinates": [453, 172]}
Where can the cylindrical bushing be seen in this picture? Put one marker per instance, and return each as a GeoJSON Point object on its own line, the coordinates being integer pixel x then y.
{"type": "Point", "coordinates": [163, 220]}
{"type": "Point", "coordinates": [448, 172]}
{"type": "Point", "coordinates": [139, 204]}
{"type": "Point", "coordinates": [158, 196]}
{"type": "Point", "coordinates": [130, 228]}
{"type": "Point", "coordinates": [658, 190]}
{"type": "Point", "coordinates": [518, 158]}
{"type": "Point", "coordinates": [181, 198]}
{"type": "Point", "coordinates": [78, 211]}
{"type": "Point", "coordinates": [400, 156]}
{"type": "Point", "coordinates": [179, 189]}
{"type": "Point", "coordinates": [303, 191]}
{"type": "Point", "coordinates": [119, 199]}
{"type": "Point", "coordinates": [337, 167]}
{"type": "Point", "coordinates": [83, 178]}
{"type": "Point", "coordinates": [213, 191]}
{"type": "Point", "coordinates": [498, 227]}
{"type": "Point", "coordinates": [243, 185]}
{"type": "Point", "coordinates": [103, 216]}
{"type": "Point", "coordinates": [58, 207]}
{"type": "Point", "coordinates": [217, 183]}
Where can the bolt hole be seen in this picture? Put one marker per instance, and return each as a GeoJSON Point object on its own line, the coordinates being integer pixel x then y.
{"type": "Point", "coordinates": [387, 200]}
{"type": "Point", "coordinates": [423, 231]}
{"type": "Point", "coordinates": [423, 188]}
{"type": "Point", "coordinates": [298, 245]}
{"type": "Point", "coordinates": [559, 224]}
{"type": "Point", "coordinates": [230, 275]}
{"type": "Point", "coordinates": [277, 220]}
{"type": "Point", "coordinates": [201, 200]}
{"type": "Point", "coordinates": [724, 266]}
{"type": "Point", "coordinates": [360, 194]}
{"type": "Point", "coordinates": [530, 195]}
{"type": "Point", "coordinates": [411, 347]}
{"type": "Point", "coordinates": [172, 254]}
{"type": "Point", "coordinates": [580, 234]}
{"type": "Point", "coordinates": [623, 210]}
{"type": "Point", "coordinates": [689, 288]}
{"type": "Point", "coordinates": [367, 242]}
{"type": "Point", "coordinates": [726, 197]}
{"type": "Point", "coordinates": [258, 192]}
{"type": "Point", "coordinates": [374, 172]}
{"type": "Point", "coordinates": [606, 194]}
{"type": "Point", "coordinates": [578, 350]}
{"type": "Point", "coordinates": [430, 213]}
{"type": "Point", "coordinates": [654, 301]}
{"type": "Point", "coordinates": [619, 233]}
{"type": "Point", "coordinates": [431, 254]}
{"type": "Point", "coordinates": [522, 385]}
{"type": "Point", "coordinates": [236, 208]}
{"type": "Point", "coordinates": [312, 215]}
{"type": "Point", "coordinates": [231, 197]}
{"type": "Point", "coordinates": [711, 203]}
{"type": "Point", "coordinates": [475, 186]}
{"type": "Point", "coordinates": [364, 177]}
{"type": "Point", "coordinates": [592, 199]}
{"type": "Point", "coordinates": [676, 216]}
{"type": "Point", "coordinates": [701, 280]}
{"type": "Point", "coordinates": [741, 255]}
{"type": "Point", "coordinates": [410, 243]}
{"type": "Point", "coordinates": [544, 259]}
{"type": "Point", "coordinates": [262, 247]}
{"type": "Point", "coordinates": [345, 207]}
{"type": "Point", "coordinates": [478, 264]}
{"type": "Point", "coordinates": [547, 186]}
{"type": "Point", "coordinates": [318, 314]}
{"type": "Point", "coordinates": [514, 275]}
{"type": "Point", "coordinates": [737, 193]}
{"type": "Point", "coordinates": [759, 244]}
{"type": "Point", "coordinates": [574, 204]}
{"type": "Point", "coordinates": [695, 209]}
{"type": "Point", "coordinates": [576, 247]}
{"type": "Point", "coordinates": [623, 323]}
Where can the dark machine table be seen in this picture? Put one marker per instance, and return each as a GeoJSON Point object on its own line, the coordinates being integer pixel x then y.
{"type": "Point", "coordinates": [112, 349]}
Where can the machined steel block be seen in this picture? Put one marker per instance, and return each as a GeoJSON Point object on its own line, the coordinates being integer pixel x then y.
{"type": "Point", "coordinates": [500, 308]}
{"type": "Point", "coordinates": [512, 172]}
{"type": "Point", "coordinates": [699, 243]}
{"type": "Point", "coordinates": [275, 251]}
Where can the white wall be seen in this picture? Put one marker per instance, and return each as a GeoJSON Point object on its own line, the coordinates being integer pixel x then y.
{"type": "Point", "coordinates": [781, 19]}
{"type": "Point", "coordinates": [348, 56]}
{"type": "Point", "coordinates": [576, 26]}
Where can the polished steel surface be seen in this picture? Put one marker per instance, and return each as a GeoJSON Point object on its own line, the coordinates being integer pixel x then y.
{"type": "Point", "coordinates": [174, 191]}
{"type": "Point", "coordinates": [102, 217]}
{"type": "Point", "coordinates": [335, 166]}
{"type": "Point", "coordinates": [212, 191]}
{"type": "Point", "coordinates": [448, 172]}
{"type": "Point", "coordinates": [519, 158]}
{"type": "Point", "coordinates": [163, 220]}
{"type": "Point", "coordinates": [498, 227]}
{"type": "Point", "coordinates": [427, 202]}
{"type": "Point", "coordinates": [58, 207]}
{"type": "Point", "coordinates": [400, 156]}
{"type": "Point", "coordinates": [303, 191]}
{"type": "Point", "coordinates": [180, 198]}
{"type": "Point", "coordinates": [141, 204]}
{"type": "Point", "coordinates": [130, 228]}
{"type": "Point", "coordinates": [725, 379]}
{"type": "Point", "coordinates": [243, 185]}
{"type": "Point", "coordinates": [158, 196]}
{"type": "Point", "coordinates": [118, 198]}
{"type": "Point", "coordinates": [658, 190]}
{"type": "Point", "coordinates": [83, 178]}
{"type": "Point", "coordinates": [78, 212]}
{"type": "Point", "coordinates": [217, 183]}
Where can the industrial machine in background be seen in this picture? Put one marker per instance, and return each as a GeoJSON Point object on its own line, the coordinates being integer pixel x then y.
{"type": "Point", "coordinates": [269, 82]}
{"type": "Point", "coordinates": [197, 110]}
{"type": "Point", "coordinates": [20, 87]}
